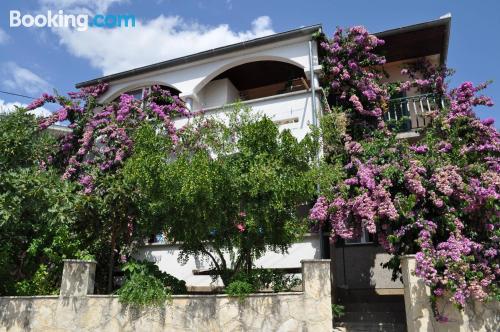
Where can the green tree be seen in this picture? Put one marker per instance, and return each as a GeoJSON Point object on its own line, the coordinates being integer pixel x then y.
{"type": "Point", "coordinates": [230, 191]}
{"type": "Point", "coordinates": [36, 210]}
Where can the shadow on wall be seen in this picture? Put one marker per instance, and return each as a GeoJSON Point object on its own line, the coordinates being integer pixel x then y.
{"type": "Point", "coordinates": [20, 310]}
{"type": "Point", "coordinates": [476, 316]}
{"type": "Point", "coordinates": [359, 267]}
{"type": "Point", "coordinates": [308, 310]}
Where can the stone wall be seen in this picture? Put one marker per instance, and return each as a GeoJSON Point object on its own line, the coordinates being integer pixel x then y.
{"type": "Point", "coordinates": [419, 317]}
{"type": "Point", "coordinates": [309, 310]}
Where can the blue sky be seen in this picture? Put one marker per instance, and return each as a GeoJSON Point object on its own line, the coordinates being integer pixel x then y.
{"type": "Point", "coordinates": [33, 60]}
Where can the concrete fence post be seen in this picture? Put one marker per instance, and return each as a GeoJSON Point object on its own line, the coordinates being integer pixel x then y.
{"type": "Point", "coordinates": [316, 283]}
{"type": "Point", "coordinates": [78, 277]}
{"type": "Point", "coordinates": [316, 277]}
{"type": "Point", "coordinates": [476, 316]}
{"type": "Point", "coordinates": [419, 316]}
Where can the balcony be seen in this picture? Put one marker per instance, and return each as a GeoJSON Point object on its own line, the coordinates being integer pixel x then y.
{"type": "Point", "coordinates": [297, 84]}
{"type": "Point", "coordinates": [408, 114]}
{"type": "Point", "coordinates": [289, 110]}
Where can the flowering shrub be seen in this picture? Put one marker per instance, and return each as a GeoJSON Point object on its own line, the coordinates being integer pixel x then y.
{"type": "Point", "coordinates": [100, 140]}
{"type": "Point", "coordinates": [425, 77]}
{"type": "Point", "coordinates": [437, 198]}
{"type": "Point", "coordinates": [350, 76]}
{"type": "Point", "coordinates": [92, 157]}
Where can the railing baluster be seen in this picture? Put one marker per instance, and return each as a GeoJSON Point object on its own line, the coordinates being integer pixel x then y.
{"type": "Point", "coordinates": [410, 113]}
{"type": "Point", "coordinates": [422, 112]}
{"type": "Point", "coordinates": [429, 109]}
{"type": "Point", "coordinates": [415, 108]}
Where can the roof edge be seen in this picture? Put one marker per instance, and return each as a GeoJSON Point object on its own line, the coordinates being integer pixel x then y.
{"type": "Point", "coordinates": [304, 31]}
{"type": "Point", "coordinates": [446, 21]}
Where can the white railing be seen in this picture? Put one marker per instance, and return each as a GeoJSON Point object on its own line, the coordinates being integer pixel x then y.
{"type": "Point", "coordinates": [413, 110]}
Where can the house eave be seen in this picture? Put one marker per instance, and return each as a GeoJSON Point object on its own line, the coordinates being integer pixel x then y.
{"type": "Point", "coordinates": [296, 33]}
{"type": "Point", "coordinates": [443, 23]}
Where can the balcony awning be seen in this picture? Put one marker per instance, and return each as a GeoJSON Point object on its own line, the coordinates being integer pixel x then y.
{"type": "Point", "coordinates": [417, 40]}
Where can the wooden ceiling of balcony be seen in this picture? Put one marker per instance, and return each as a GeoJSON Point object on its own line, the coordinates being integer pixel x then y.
{"type": "Point", "coordinates": [261, 73]}
{"type": "Point", "coordinates": [415, 44]}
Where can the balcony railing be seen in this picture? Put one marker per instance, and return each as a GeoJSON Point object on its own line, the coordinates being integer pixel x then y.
{"type": "Point", "coordinates": [296, 84]}
{"type": "Point", "coordinates": [292, 110]}
{"type": "Point", "coordinates": [412, 112]}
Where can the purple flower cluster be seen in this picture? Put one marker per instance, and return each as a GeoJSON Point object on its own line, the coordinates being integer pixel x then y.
{"type": "Point", "coordinates": [466, 267]}
{"type": "Point", "coordinates": [421, 149]}
{"type": "Point", "coordinates": [45, 98]}
{"type": "Point", "coordinates": [90, 91]}
{"type": "Point", "coordinates": [437, 198]}
{"type": "Point", "coordinates": [319, 212]}
{"type": "Point", "coordinates": [101, 137]}
{"type": "Point", "coordinates": [413, 178]}
{"type": "Point", "coordinates": [425, 77]}
{"type": "Point", "coordinates": [444, 147]}
{"type": "Point", "coordinates": [448, 180]}
{"type": "Point", "coordinates": [349, 68]}
{"type": "Point", "coordinates": [372, 204]}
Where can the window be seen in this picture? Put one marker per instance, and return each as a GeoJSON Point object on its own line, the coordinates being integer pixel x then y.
{"type": "Point", "coordinates": [365, 238]}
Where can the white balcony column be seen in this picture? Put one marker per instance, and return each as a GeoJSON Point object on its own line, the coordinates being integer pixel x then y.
{"type": "Point", "coordinates": [189, 99]}
{"type": "Point", "coordinates": [189, 103]}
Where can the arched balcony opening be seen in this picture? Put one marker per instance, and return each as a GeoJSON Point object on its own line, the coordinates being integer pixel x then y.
{"type": "Point", "coordinates": [253, 80]}
{"type": "Point", "coordinates": [138, 92]}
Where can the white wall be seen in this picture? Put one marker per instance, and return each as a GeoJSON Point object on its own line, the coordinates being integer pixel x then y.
{"type": "Point", "coordinates": [393, 69]}
{"type": "Point", "coordinates": [166, 257]}
{"type": "Point", "coordinates": [192, 77]}
{"type": "Point", "coordinates": [290, 111]}
{"type": "Point", "coordinates": [217, 93]}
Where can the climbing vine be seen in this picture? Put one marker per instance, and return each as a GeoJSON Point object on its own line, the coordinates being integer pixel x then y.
{"type": "Point", "coordinates": [436, 197]}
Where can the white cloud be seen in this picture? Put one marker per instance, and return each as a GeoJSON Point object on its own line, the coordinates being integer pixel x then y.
{"type": "Point", "coordinates": [3, 36]}
{"type": "Point", "coordinates": [6, 107]}
{"type": "Point", "coordinates": [82, 6]}
{"type": "Point", "coordinates": [19, 79]}
{"type": "Point", "coordinates": [159, 39]}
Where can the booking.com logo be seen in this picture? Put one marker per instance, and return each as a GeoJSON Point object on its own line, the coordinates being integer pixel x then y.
{"type": "Point", "coordinates": [80, 22]}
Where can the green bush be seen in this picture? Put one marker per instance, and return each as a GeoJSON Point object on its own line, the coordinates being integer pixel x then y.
{"type": "Point", "coordinates": [146, 285]}
{"type": "Point", "coordinates": [275, 280]}
{"type": "Point", "coordinates": [174, 285]}
{"type": "Point", "coordinates": [261, 279]}
{"type": "Point", "coordinates": [37, 210]}
{"type": "Point", "coordinates": [143, 290]}
{"type": "Point", "coordinates": [240, 289]}
{"type": "Point", "coordinates": [338, 310]}
{"type": "Point", "coordinates": [40, 283]}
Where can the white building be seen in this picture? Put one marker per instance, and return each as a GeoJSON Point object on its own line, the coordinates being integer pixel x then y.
{"type": "Point", "coordinates": [277, 75]}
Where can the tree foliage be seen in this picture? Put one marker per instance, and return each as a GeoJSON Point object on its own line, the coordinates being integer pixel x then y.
{"type": "Point", "coordinates": [229, 192]}
{"type": "Point", "coordinates": [37, 210]}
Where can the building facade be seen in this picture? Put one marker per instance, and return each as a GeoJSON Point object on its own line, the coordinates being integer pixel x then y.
{"type": "Point", "coordinates": [278, 76]}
